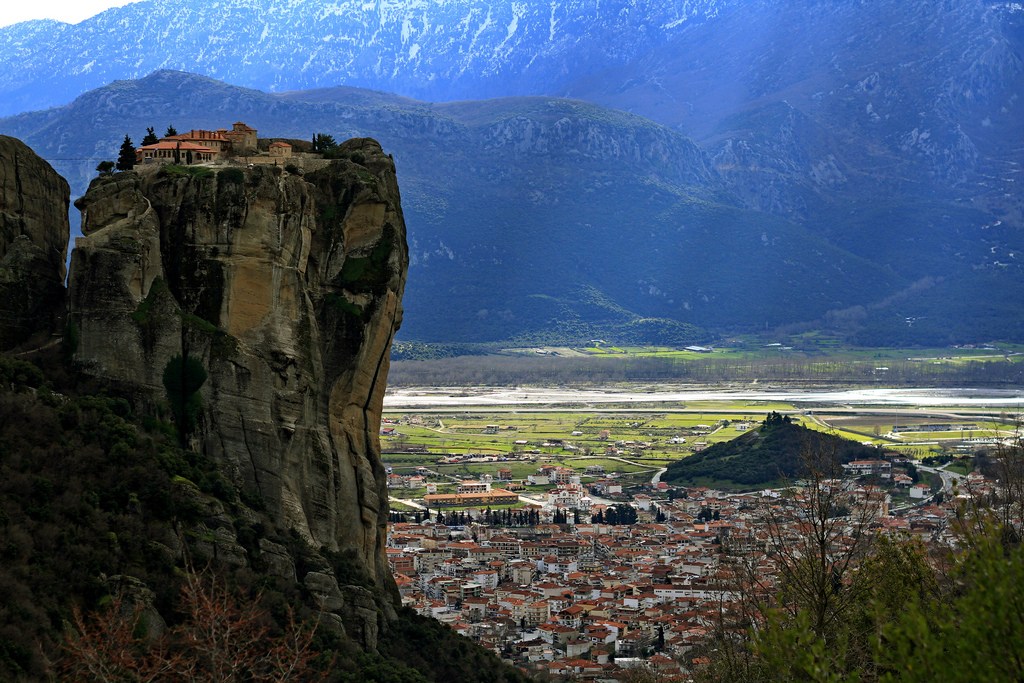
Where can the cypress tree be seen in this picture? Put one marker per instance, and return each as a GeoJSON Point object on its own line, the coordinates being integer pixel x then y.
{"type": "Point", "coordinates": [126, 156]}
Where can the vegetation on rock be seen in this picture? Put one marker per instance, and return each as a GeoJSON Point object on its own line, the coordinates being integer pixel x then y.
{"type": "Point", "coordinates": [126, 155]}
{"type": "Point", "coordinates": [854, 606]}
{"type": "Point", "coordinates": [96, 497]}
{"type": "Point", "coordinates": [764, 457]}
{"type": "Point", "coordinates": [183, 377]}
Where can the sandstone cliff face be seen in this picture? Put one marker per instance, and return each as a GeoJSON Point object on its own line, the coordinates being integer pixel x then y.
{"type": "Point", "coordinates": [287, 289]}
{"type": "Point", "coordinates": [34, 235]}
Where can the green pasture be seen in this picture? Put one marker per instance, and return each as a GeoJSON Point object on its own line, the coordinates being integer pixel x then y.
{"type": "Point", "coordinates": [608, 464]}
{"type": "Point", "coordinates": [655, 352]}
{"type": "Point", "coordinates": [481, 432]}
{"type": "Point", "coordinates": [915, 451]}
{"type": "Point", "coordinates": [813, 345]}
{"type": "Point", "coordinates": [741, 409]}
{"type": "Point", "coordinates": [520, 470]}
{"type": "Point", "coordinates": [400, 465]}
{"type": "Point", "coordinates": [959, 466]}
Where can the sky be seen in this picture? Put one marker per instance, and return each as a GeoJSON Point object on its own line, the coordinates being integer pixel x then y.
{"type": "Point", "coordinates": [70, 11]}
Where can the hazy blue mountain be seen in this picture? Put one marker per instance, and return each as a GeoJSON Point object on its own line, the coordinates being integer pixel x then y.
{"type": "Point", "coordinates": [529, 217]}
{"type": "Point", "coordinates": [435, 49]}
{"type": "Point", "coordinates": [890, 130]}
{"type": "Point", "coordinates": [799, 102]}
{"type": "Point", "coordinates": [822, 96]}
{"type": "Point", "coordinates": [803, 104]}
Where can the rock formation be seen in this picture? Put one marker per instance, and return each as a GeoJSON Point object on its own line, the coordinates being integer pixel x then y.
{"type": "Point", "coordinates": [34, 234]}
{"type": "Point", "coordinates": [283, 290]}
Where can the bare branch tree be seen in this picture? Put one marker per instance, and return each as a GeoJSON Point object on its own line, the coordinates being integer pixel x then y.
{"type": "Point", "coordinates": [981, 507]}
{"type": "Point", "coordinates": [817, 535]}
{"type": "Point", "coordinates": [220, 639]}
{"type": "Point", "coordinates": [105, 648]}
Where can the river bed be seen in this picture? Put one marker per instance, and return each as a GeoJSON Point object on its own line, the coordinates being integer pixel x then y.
{"type": "Point", "coordinates": [456, 397]}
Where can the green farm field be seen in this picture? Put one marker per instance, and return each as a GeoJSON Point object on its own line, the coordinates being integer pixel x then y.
{"type": "Point", "coordinates": [812, 346]}
{"type": "Point", "coordinates": [636, 443]}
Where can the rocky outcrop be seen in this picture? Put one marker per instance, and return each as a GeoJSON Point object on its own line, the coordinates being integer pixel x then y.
{"type": "Point", "coordinates": [34, 234]}
{"type": "Point", "coordinates": [284, 290]}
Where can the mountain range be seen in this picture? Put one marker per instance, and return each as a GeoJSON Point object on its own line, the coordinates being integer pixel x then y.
{"type": "Point", "coordinates": [796, 165]}
{"type": "Point", "coordinates": [431, 49]}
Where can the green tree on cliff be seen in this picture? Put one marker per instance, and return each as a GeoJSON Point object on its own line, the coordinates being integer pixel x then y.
{"type": "Point", "coordinates": [323, 143]}
{"type": "Point", "coordinates": [126, 156]}
{"type": "Point", "coordinates": [183, 376]}
{"type": "Point", "coordinates": [151, 138]}
{"type": "Point", "coordinates": [171, 130]}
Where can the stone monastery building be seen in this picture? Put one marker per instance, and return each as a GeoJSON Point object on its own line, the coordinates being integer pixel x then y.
{"type": "Point", "coordinates": [203, 146]}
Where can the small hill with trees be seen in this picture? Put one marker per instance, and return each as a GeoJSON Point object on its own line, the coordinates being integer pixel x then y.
{"type": "Point", "coordinates": [767, 456]}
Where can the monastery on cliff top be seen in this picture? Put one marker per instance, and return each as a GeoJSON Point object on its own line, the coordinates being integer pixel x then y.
{"type": "Point", "coordinates": [203, 146]}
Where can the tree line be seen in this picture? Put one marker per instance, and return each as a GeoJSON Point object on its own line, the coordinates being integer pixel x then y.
{"type": "Point", "coordinates": [512, 370]}
{"type": "Point", "coordinates": [126, 153]}
{"type": "Point", "coordinates": [849, 605]}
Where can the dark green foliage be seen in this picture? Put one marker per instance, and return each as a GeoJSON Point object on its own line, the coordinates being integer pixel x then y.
{"type": "Point", "coordinates": [69, 341]}
{"type": "Point", "coordinates": [419, 351]}
{"type": "Point", "coordinates": [85, 493]}
{"type": "Point", "coordinates": [182, 379]}
{"type": "Point", "coordinates": [925, 317]}
{"type": "Point", "coordinates": [331, 149]}
{"type": "Point", "coordinates": [19, 374]}
{"type": "Point", "coordinates": [105, 167]}
{"type": "Point", "coordinates": [150, 138]}
{"type": "Point", "coordinates": [347, 568]}
{"type": "Point", "coordinates": [223, 634]}
{"type": "Point", "coordinates": [905, 626]}
{"type": "Point", "coordinates": [439, 654]}
{"type": "Point", "coordinates": [171, 130]}
{"type": "Point", "coordinates": [656, 332]}
{"type": "Point", "coordinates": [361, 273]}
{"type": "Point", "coordinates": [222, 344]}
{"type": "Point", "coordinates": [768, 456]}
{"type": "Point", "coordinates": [82, 494]}
{"type": "Point", "coordinates": [616, 514]}
{"type": "Point", "coordinates": [775, 419]}
{"type": "Point", "coordinates": [323, 143]}
{"type": "Point", "coordinates": [231, 175]}
{"type": "Point", "coordinates": [342, 304]}
{"type": "Point", "coordinates": [176, 170]}
{"type": "Point", "coordinates": [975, 634]}
{"type": "Point", "coordinates": [126, 155]}
{"type": "Point", "coordinates": [144, 314]}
